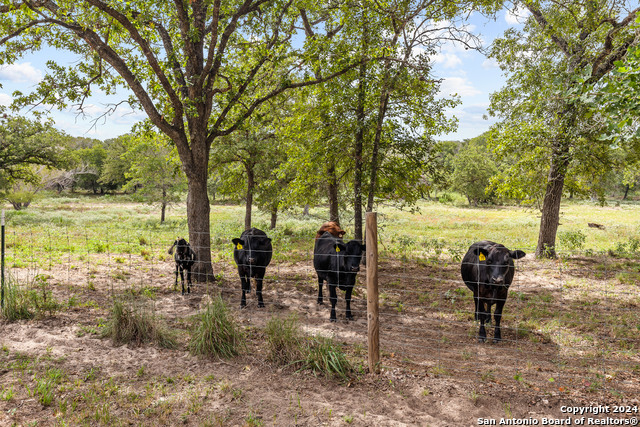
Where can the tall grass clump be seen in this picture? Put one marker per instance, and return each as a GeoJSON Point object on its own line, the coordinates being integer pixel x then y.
{"type": "Point", "coordinates": [324, 356]}
{"type": "Point", "coordinates": [216, 333]}
{"type": "Point", "coordinates": [16, 302]}
{"type": "Point", "coordinates": [284, 341]}
{"type": "Point", "coordinates": [24, 302]}
{"type": "Point", "coordinates": [132, 324]}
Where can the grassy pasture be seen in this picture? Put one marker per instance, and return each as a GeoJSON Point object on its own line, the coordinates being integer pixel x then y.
{"type": "Point", "coordinates": [571, 326]}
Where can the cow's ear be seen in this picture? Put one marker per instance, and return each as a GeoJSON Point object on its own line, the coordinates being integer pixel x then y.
{"type": "Point", "coordinates": [237, 241]}
{"type": "Point", "coordinates": [517, 254]}
{"type": "Point", "coordinates": [481, 253]}
{"type": "Point", "coordinates": [338, 247]}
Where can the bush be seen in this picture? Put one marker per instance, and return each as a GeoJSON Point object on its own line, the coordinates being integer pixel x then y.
{"type": "Point", "coordinates": [130, 324]}
{"type": "Point", "coordinates": [284, 341]}
{"type": "Point", "coordinates": [572, 240]}
{"type": "Point", "coordinates": [216, 333]}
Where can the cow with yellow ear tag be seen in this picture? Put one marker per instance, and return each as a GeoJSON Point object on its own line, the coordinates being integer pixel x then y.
{"type": "Point", "coordinates": [487, 269]}
{"type": "Point", "coordinates": [252, 253]}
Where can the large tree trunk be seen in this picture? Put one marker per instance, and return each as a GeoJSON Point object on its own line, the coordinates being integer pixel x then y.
{"type": "Point", "coordinates": [551, 204]}
{"type": "Point", "coordinates": [626, 192]}
{"type": "Point", "coordinates": [199, 228]}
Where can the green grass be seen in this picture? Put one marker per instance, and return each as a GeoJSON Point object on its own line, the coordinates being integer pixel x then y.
{"type": "Point", "coordinates": [215, 333]}
{"type": "Point", "coordinates": [284, 340]}
{"type": "Point", "coordinates": [133, 323]}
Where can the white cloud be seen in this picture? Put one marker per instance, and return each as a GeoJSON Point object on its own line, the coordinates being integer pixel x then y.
{"type": "Point", "coordinates": [447, 60]}
{"type": "Point", "coordinates": [20, 73]}
{"type": "Point", "coordinates": [516, 16]}
{"type": "Point", "coordinates": [490, 63]}
{"type": "Point", "coordinates": [5, 99]}
{"type": "Point", "coordinates": [458, 85]}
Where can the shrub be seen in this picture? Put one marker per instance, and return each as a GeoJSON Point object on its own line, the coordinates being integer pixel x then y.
{"type": "Point", "coordinates": [284, 340]}
{"type": "Point", "coordinates": [130, 324]}
{"type": "Point", "coordinates": [572, 240]}
{"type": "Point", "coordinates": [216, 333]}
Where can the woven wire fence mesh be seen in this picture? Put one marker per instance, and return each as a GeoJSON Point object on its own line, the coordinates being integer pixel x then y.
{"type": "Point", "coordinates": [570, 325]}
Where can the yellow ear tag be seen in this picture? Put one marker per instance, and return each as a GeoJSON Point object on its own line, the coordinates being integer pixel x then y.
{"type": "Point", "coordinates": [481, 257]}
{"type": "Point", "coordinates": [239, 246]}
{"type": "Point", "coordinates": [337, 249]}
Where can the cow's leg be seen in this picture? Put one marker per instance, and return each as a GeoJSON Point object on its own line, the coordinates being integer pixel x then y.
{"type": "Point", "coordinates": [497, 334]}
{"type": "Point", "coordinates": [175, 284]}
{"type": "Point", "coordinates": [476, 304]}
{"type": "Point", "coordinates": [320, 300]}
{"type": "Point", "coordinates": [333, 298]}
{"type": "Point", "coordinates": [182, 278]}
{"type": "Point", "coordinates": [188, 279]}
{"type": "Point", "coordinates": [482, 333]}
{"type": "Point", "coordinates": [259, 291]}
{"type": "Point", "coordinates": [245, 286]}
{"type": "Point", "coordinates": [347, 297]}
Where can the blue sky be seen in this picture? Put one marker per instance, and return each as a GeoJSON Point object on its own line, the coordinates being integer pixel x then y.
{"type": "Point", "coordinates": [465, 72]}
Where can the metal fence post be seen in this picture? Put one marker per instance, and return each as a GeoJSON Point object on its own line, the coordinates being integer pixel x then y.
{"type": "Point", "coordinates": [372, 292]}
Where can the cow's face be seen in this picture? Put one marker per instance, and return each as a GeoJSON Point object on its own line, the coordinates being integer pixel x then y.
{"type": "Point", "coordinates": [495, 263]}
{"type": "Point", "coordinates": [353, 256]}
{"type": "Point", "coordinates": [250, 248]}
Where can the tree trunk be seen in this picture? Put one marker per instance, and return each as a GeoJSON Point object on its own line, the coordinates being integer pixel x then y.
{"type": "Point", "coordinates": [359, 142]}
{"type": "Point", "coordinates": [332, 188]}
{"type": "Point", "coordinates": [163, 206]}
{"type": "Point", "coordinates": [274, 217]}
{"type": "Point", "coordinates": [626, 192]}
{"type": "Point", "coordinates": [305, 212]}
{"type": "Point", "coordinates": [551, 204]}
{"type": "Point", "coordinates": [250, 187]}
{"type": "Point", "coordinates": [198, 211]}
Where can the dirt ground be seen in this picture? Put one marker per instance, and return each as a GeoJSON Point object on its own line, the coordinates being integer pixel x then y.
{"type": "Point", "coordinates": [434, 372]}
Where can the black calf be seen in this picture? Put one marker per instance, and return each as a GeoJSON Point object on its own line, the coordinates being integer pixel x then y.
{"type": "Point", "coordinates": [185, 258]}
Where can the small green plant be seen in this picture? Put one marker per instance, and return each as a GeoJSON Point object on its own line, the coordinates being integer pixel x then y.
{"type": "Point", "coordinates": [474, 396]}
{"type": "Point", "coordinates": [216, 333]}
{"type": "Point", "coordinates": [6, 394]}
{"type": "Point", "coordinates": [132, 324]}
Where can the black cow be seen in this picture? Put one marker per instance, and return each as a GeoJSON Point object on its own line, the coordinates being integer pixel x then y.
{"type": "Point", "coordinates": [337, 263]}
{"type": "Point", "coordinates": [487, 270]}
{"type": "Point", "coordinates": [252, 253]}
{"type": "Point", "coordinates": [185, 257]}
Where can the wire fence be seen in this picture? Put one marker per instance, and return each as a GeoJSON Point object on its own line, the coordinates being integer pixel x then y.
{"type": "Point", "coordinates": [570, 326]}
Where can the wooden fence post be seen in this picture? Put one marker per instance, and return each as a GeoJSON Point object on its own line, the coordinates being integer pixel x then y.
{"type": "Point", "coordinates": [372, 292]}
